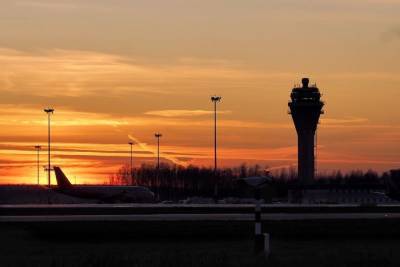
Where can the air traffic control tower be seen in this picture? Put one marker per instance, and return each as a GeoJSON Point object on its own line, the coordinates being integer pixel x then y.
{"type": "Point", "coordinates": [306, 108]}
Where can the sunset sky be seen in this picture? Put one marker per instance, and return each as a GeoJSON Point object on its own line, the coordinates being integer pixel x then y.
{"type": "Point", "coordinates": [116, 71]}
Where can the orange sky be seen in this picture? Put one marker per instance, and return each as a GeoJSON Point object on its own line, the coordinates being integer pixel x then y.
{"type": "Point", "coordinates": [126, 69]}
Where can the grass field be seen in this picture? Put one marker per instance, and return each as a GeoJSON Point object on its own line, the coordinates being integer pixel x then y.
{"type": "Point", "coordinates": [110, 247]}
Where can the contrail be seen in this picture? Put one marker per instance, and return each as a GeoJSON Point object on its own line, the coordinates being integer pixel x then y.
{"type": "Point", "coordinates": [145, 147]}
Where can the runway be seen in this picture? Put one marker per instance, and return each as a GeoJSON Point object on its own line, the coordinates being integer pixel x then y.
{"type": "Point", "coordinates": [154, 209]}
{"type": "Point", "coordinates": [198, 217]}
{"type": "Point", "coordinates": [192, 212]}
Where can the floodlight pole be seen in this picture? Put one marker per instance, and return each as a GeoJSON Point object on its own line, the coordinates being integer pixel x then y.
{"type": "Point", "coordinates": [131, 169]}
{"type": "Point", "coordinates": [158, 136]}
{"type": "Point", "coordinates": [38, 148]}
{"type": "Point", "coordinates": [49, 111]}
{"type": "Point", "coordinates": [215, 100]}
{"type": "Point", "coordinates": [158, 183]}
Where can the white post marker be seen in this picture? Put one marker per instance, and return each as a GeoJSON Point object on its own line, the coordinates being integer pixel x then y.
{"type": "Point", "coordinates": [262, 241]}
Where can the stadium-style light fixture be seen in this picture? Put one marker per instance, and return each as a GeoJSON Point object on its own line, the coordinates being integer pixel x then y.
{"type": "Point", "coordinates": [215, 99]}
{"type": "Point", "coordinates": [49, 112]}
{"type": "Point", "coordinates": [158, 136]}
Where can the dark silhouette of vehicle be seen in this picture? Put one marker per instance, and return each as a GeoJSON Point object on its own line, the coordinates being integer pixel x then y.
{"type": "Point", "coordinates": [392, 185]}
{"type": "Point", "coordinates": [104, 194]}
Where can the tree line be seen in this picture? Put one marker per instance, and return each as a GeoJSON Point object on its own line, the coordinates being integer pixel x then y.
{"type": "Point", "coordinates": [174, 182]}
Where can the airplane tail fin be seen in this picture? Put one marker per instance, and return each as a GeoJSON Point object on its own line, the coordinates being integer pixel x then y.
{"type": "Point", "coordinates": [62, 180]}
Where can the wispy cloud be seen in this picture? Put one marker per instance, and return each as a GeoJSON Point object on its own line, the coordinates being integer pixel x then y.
{"type": "Point", "coordinates": [28, 116]}
{"type": "Point", "coordinates": [47, 4]}
{"type": "Point", "coordinates": [346, 120]}
{"type": "Point", "coordinates": [145, 147]}
{"type": "Point", "coordinates": [74, 73]}
{"type": "Point", "coordinates": [184, 112]}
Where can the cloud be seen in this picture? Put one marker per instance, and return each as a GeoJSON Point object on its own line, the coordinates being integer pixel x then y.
{"type": "Point", "coordinates": [346, 120]}
{"type": "Point", "coordinates": [184, 112]}
{"type": "Point", "coordinates": [72, 73]}
{"type": "Point", "coordinates": [59, 4]}
{"type": "Point", "coordinates": [79, 73]}
{"type": "Point", "coordinates": [20, 115]}
{"type": "Point", "coordinates": [93, 81]}
{"type": "Point", "coordinates": [145, 147]}
{"type": "Point", "coordinates": [28, 116]}
{"type": "Point", "coordinates": [25, 116]}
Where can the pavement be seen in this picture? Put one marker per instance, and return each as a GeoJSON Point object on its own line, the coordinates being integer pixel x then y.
{"type": "Point", "coordinates": [192, 212]}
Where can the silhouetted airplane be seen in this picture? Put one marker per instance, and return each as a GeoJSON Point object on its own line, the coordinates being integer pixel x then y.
{"type": "Point", "coordinates": [105, 194]}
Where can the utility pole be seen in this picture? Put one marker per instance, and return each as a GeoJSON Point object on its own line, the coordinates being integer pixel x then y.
{"type": "Point", "coordinates": [131, 167]}
{"type": "Point", "coordinates": [215, 100]}
{"type": "Point", "coordinates": [49, 112]}
{"type": "Point", "coordinates": [158, 136]}
{"type": "Point", "coordinates": [158, 182]}
{"type": "Point", "coordinates": [38, 148]}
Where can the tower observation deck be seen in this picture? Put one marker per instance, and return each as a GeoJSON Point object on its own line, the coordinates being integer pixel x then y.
{"type": "Point", "coordinates": [306, 108]}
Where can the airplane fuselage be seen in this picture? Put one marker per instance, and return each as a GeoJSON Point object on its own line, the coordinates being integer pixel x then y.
{"type": "Point", "coordinates": [107, 194]}
{"type": "Point", "coordinates": [110, 194]}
